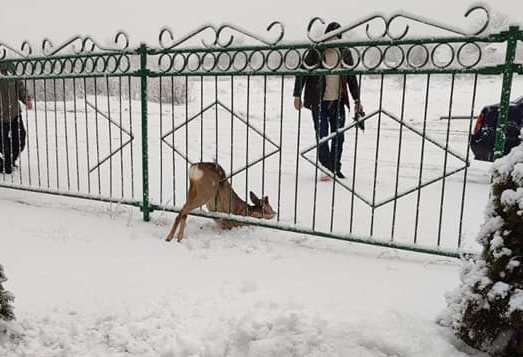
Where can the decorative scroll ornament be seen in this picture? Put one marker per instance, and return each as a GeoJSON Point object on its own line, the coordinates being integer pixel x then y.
{"type": "Point", "coordinates": [87, 45]}
{"type": "Point", "coordinates": [387, 25]}
{"type": "Point", "coordinates": [25, 50]}
{"type": "Point", "coordinates": [220, 38]}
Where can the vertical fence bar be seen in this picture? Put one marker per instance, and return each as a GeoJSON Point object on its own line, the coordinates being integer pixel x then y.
{"type": "Point", "coordinates": [400, 138]}
{"type": "Point", "coordinates": [465, 174]}
{"type": "Point", "coordinates": [422, 156]}
{"type": "Point", "coordinates": [172, 143]}
{"type": "Point", "coordinates": [508, 73]}
{"type": "Point", "coordinates": [144, 73]}
{"type": "Point", "coordinates": [376, 159]}
{"type": "Point", "coordinates": [445, 160]}
{"type": "Point", "coordinates": [161, 146]}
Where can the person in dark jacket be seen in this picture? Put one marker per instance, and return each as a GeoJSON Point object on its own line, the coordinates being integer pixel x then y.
{"type": "Point", "coordinates": [12, 131]}
{"type": "Point", "coordinates": [326, 96]}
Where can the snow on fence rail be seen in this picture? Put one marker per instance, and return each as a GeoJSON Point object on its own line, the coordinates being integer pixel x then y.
{"type": "Point", "coordinates": [123, 124]}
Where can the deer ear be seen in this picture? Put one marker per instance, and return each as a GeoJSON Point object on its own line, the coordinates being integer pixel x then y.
{"type": "Point", "coordinates": [254, 198]}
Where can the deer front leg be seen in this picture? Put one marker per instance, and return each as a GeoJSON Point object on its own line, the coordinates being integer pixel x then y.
{"type": "Point", "coordinates": [174, 227]}
{"type": "Point", "coordinates": [183, 220]}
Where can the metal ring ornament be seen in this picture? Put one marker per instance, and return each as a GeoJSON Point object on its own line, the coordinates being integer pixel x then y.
{"type": "Point", "coordinates": [20, 68]}
{"type": "Point", "coordinates": [380, 60]}
{"type": "Point", "coordinates": [433, 55]}
{"type": "Point", "coordinates": [400, 62]}
{"type": "Point", "coordinates": [356, 60]}
{"type": "Point", "coordinates": [100, 64]}
{"type": "Point", "coordinates": [228, 58]}
{"type": "Point", "coordinates": [47, 66]}
{"type": "Point", "coordinates": [263, 60]}
{"type": "Point", "coordinates": [89, 65]}
{"type": "Point", "coordinates": [286, 59]}
{"type": "Point", "coordinates": [164, 57]}
{"type": "Point", "coordinates": [112, 64]}
{"type": "Point", "coordinates": [279, 57]}
{"type": "Point", "coordinates": [424, 62]}
{"type": "Point", "coordinates": [124, 63]}
{"type": "Point", "coordinates": [479, 56]}
{"type": "Point", "coordinates": [336, 64]}
{"type": "Point", "coordinates": [67, 66]}
{"type": "Point", "coordinates": [245, 62]}
{"type": "Point", "coordinates": [37, 68]}
{"type": "Point", "coordinates": [212, 56]}
{"type": "Point", "coordinates": [78, 65]}
{"type": "Point", "coordinates": [315, 65]}
{"type": "Point", "coordinates": [174, 67]}
{"type": "Point", "coordinates": [193, 68]}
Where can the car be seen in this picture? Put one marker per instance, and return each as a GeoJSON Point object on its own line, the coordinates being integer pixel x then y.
{"type": "Point", "coordinates": [483, 137]}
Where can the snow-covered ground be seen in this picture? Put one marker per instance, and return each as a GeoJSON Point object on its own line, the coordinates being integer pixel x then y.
{"type": "Point", "coordinates": [69, 142]}
{"type": "Point", "coordinates": [94, 280]}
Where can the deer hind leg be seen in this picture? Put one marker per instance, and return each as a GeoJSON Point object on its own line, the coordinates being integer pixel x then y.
{"type": "Point", "coordinates": [174, 227]}
{"type": "Point", "coordinates": [193, 201]}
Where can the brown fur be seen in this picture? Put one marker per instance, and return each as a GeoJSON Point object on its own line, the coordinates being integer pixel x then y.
{"type": "Point", "coordinates": [209, 187]}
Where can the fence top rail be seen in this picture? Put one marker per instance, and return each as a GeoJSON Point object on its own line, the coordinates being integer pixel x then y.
{"type": "Point", "coordinates": [379, 29]}
{"type": "Point", "coordinates": [383, 51]}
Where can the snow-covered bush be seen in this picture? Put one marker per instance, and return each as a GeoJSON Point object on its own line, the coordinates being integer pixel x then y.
{"type": "Point", "coordinates": [6, 310]}
{"type": "Point", "coordinates": [486, 311]}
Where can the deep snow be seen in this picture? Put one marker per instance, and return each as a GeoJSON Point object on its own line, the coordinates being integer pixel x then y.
{"type": "Point", "coordinates": [93, 280]}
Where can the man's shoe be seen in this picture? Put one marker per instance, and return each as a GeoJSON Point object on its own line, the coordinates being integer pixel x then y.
{"type": "Point", "coordinates": [340, 175]}
{"type": "Point", "coordinates": [5, 169]}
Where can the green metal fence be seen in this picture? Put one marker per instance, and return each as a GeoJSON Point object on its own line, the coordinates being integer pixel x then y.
{"type": "Point", "coordinates": [123, 125]}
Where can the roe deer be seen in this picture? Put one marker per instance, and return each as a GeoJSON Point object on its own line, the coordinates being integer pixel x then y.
{"type": "Point", "coordinates": [208, 186]}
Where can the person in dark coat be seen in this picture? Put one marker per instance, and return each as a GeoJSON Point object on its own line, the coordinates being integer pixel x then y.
{"type": "Point", "coordinates": [326, 96]}
{"type": "Point", "coordinates": [12, 131]}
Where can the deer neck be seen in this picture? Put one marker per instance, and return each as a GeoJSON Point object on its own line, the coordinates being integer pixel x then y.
{"type": "Point", "coordinates": [237, 206]}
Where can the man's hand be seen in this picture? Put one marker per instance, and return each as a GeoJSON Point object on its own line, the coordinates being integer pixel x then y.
{"type": "Point", "coordinates": [29, 103]}
{"type": "Point", "coordinates": [297, 103]}
{"type": "Point", "coordinates": [358, 108]}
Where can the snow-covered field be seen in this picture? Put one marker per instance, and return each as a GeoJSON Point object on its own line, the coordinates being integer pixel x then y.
{"type": "Point", "coordinates": [70, 145]}
{"type": "Point", "coordinates": [93, 280]}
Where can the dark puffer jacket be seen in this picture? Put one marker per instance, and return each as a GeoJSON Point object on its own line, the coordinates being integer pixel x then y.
{"type": "Point", "coordinates": [11, 91]}
{"type": "Point", "coordinates": [315, 84]}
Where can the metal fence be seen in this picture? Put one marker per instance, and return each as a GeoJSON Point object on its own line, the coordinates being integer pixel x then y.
{"type": "Point", "coordinates": [123, 125]}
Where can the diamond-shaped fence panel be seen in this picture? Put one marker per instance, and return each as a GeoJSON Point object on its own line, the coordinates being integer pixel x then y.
{"type": "Point", "coordinates": [382, 170]}
{"type": "Point", "coordinates": [218, 134]}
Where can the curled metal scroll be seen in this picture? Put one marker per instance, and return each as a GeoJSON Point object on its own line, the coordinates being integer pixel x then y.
{"type": "Point", "coordinates": [25, 50]}
{"type": "Point", "coordinates": [388, 23]}
{"type": "Point", "coordinates": [87, 44]}
{"type": "Point", "coordinates": [220, 38]}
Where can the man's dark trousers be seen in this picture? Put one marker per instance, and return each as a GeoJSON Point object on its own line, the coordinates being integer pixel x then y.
{"type": "Point", "coordinates": [329, 113]}
{"type": "Point", "coordinates": [12, 141]}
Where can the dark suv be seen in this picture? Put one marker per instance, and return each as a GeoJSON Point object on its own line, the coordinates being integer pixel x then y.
{"type": "Point", "coordinates": [484, 135]}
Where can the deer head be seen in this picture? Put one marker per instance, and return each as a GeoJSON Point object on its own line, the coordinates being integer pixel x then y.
{"type": "Point", "coordinates": [262, 208]}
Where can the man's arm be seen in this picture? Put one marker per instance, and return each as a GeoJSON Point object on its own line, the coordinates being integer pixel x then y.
{"type": "Point", "coordinates": [21, 91]}
{"type": "Point", "coordinates": [354, 87]}
{"type": "Point", "coordinates": [22, 94]}
{"type": "Point", "coordinates": [299, 82]}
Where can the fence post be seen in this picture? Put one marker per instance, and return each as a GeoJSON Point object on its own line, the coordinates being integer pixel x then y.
{"type": "Point", "coordinates": [508, 72]}
{"type": "Point", "coordinates": [144, 73]}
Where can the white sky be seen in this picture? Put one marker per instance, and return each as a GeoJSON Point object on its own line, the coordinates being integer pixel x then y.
{"type": "Point", "coordinates": [60, 19]}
